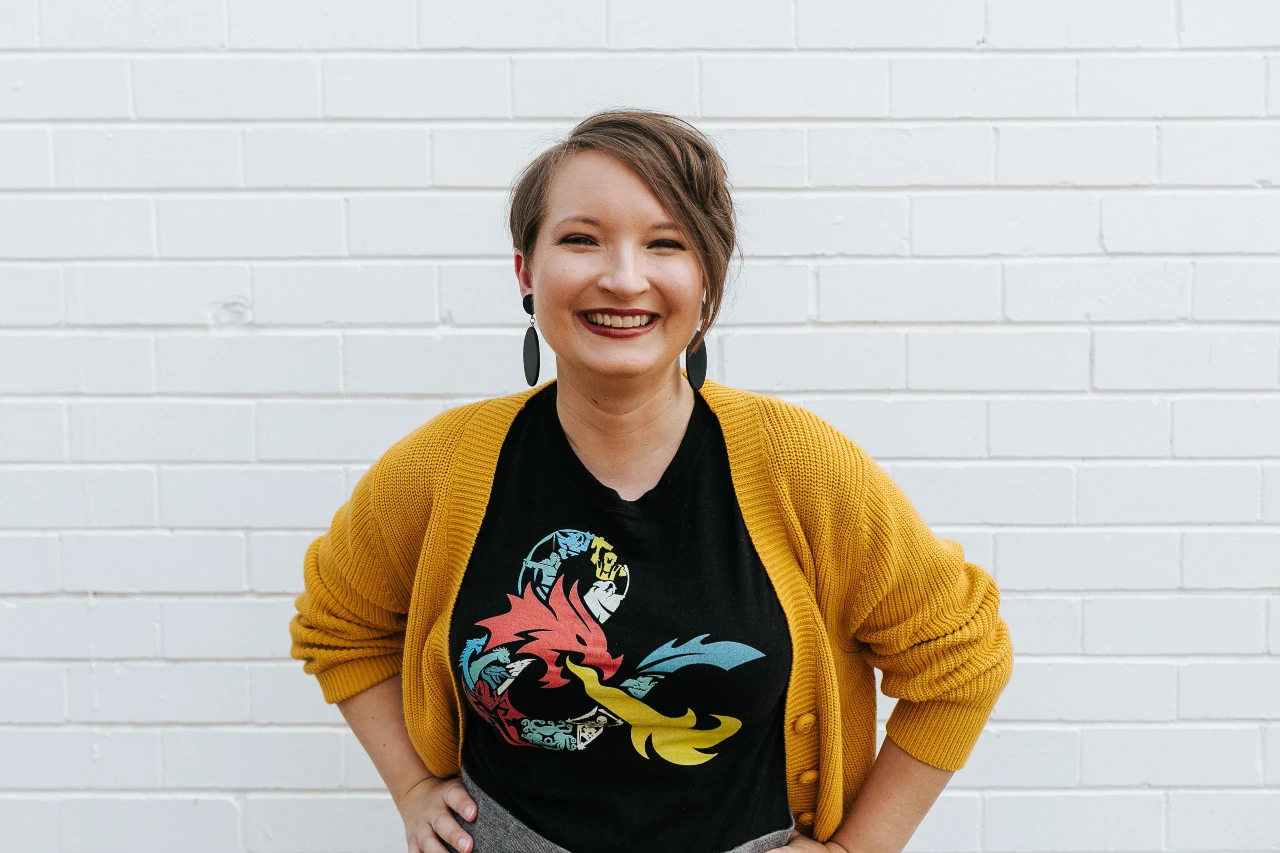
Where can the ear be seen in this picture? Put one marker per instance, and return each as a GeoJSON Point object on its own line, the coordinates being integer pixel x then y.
{"type": "Point", "coordinates": [522, 274]}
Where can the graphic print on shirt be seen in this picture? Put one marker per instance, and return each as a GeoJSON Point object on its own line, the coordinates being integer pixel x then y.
{"type": "Point", "coordinates": [561, 627]}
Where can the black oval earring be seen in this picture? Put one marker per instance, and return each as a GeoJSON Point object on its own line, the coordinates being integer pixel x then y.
{"type": "Point", "coordinates": [531, 354]}
{"type": "Point", "coordinates": [695, 365]}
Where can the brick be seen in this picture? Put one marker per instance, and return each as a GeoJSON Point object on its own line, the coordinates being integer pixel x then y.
{"type": "Point", "coordinates": [1051, 560]}
{"type": "Point", "coordinates": [417, 87]}
{"type": "Point", "coordinates": [349, 823]}
{"type": "Point", "coordinates": [336, 157]}
{"type": "Point", "coordinates": [418, 364]}
{"type": "Point", "coordinates": [32, 432]}
{"type": "Point", "coordinates": [1230, 23]}
{"type": "Point", "coordinates": [1230, 560]}
{"type": "Point", "coordinates": [25, 634]}
{"type": "Point", "coordinates": [18, 30]}
{"type": "Point", "coordinates": [320, 24]}
{"type": "Point", "coordinates": [30, 563]}
{"type": "Point", "coordinates": [132, 158]}
{"type": "Point", "coordinates": [908, 291]}
{"type": "Point", "coordinates": [1168, 494]}
{"type": "Point", "coordinates": [1043, 626]}
{"type": "Point", "coordinates": [1005, 224]}
{"type": "Point", "coordinates": [1004, 360]}
{"type": "Point", "coordinates": [158, 693]}
{"type": "Point", "coordinates": [1090, 691]}
{"type": "Point", "coordinates": [891, 156]}
{"type": "Point", "coordinates": [865, 23]}
{"type": "Point", "coordinates": [425, 226]}
{"type": "Point", "coordinates": [1022, 758]}
{"type": "Point", "coordinates": [31, 295]}
{"type": "Point", "coordinates": [167, 431]}
{"type": "Point", "coordinates": [358, 771]}
{"type": "Point", "coordinates": [896, 427]}
{"type": "Point", "coordinates": [647, 24]}
{"type": "Point", "coordinates": [140, 24]}
{"type": "Point", "coordinates": [248, 497]}
{"type": "Point", "coordinates": [1192, 359]}
{"type": "Point", "coordinates": [170, 295]}
{"type": "Point", "coordinates": [1271, 734]}
{"type": "Point", "coordinates": [355, 430]}
{"type": "Point", "coordinates": [283, 693]}
{"type": "Point", "coordinates": [1221, 427]}
{"type": "Point", "coordinates": [71, 759]}
{"type": "Point", "coordinates": [553, 86]}
{"type": "Point", "coordinates": [480, 294]}
{"type": "Point", "coordinates": [255, 364]}
{"type": "Point", "coordinates": [1274, 626]}
{"type": "Point", "coordinates": [986, 87]}
{"type": "Point", "coordinates": [1097, 290]}
{"type": "Point", "coordinates": [124, 628]}
{"type": "Point", "coordinates": [1092, 155]}
{"type": "Point", "coordinates": [1273, 86]}
{"type": "Point", "coordinates": [485, 156]}
{"type": "Point", "coordinates": [151, 825]}
{"type": "Point", "coordinates": [31, 824]}
{"type": "Point", "coordinates": [62, 88]}
{"type": "Point", "coordinates": [1229, 690]}
{"type": "Point", "coordinates": [1237, 290]}
{"type": "Point", "coordinates": [61, 228]}
{"type": "Point", "coordinates": [950, 825]}
{"type": "Point", "coordinates": [1189, 85]}
{"type": "Point", "coordinates": [238, 227]}
{"type": "Point", "coordinates": [226, 88]}
{"type": "Point", "coordinates": [988, 494]}
{"type": "Point", "coordinates": [1080, 427]}
{"type": "Point", "coordinates": [1188, 756]}
{"type": "Point", "coordinates": [1090, 23]}
{"type": "Point", "coordinates": [834, 361]}
{"type": "Point", "coordinates": [330, 294]}
{"type": "Point", "coordinates": [1271, 493]}
{"type": "Point", "coordinates": [77, 497]}
{"type": "Point", "coordinates": [1213, 820]}
{"type": "Point", "coordinates": [33, 693]}
{"type": "Point", "coordinates": [793, 86]}
{"type": "Point", "coordinates": [1220, 154]}
{"type": "Point", "coordinates": [194, 629]}
{"type": "Point", "coordinates": [1216, 222]}
{"type": "Point", "coordinates": [26, 161]}
{"type": "Point", "coordinates": [153, 562]}
{"type": "Point", "coordinates": [253, 758]}
{"type": "Point", "coordinates": [822, 224]}
{"type": "Point", "coordinates": [763, 156]}
{"type": "Point", "coordinates": [766, 293]}
{"type": "Point", "coordinates": [511, 24]}
{"type": "Point", "coordinates": [1131, 625]}
{"type": "Point", "coordinates": [1047, 823]}
{"type": "Point", "coordinates": [276, 560]}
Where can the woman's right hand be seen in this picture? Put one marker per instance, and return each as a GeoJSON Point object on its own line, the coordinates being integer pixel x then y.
{"type": "Point", "coordinates": [428, 810]}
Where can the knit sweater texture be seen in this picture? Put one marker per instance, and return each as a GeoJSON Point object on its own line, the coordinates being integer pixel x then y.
{"type": "Point", "coordinates": [863, 582]}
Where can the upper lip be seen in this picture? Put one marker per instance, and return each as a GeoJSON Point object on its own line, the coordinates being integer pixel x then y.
{"type": "Point", "coordinates": [620, 312]}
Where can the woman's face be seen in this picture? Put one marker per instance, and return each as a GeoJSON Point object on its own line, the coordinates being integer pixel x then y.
{"type": "Point", "coordinates": [617, 289]}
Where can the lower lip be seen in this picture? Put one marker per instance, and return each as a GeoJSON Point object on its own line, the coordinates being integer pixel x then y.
{"type": "Point", "coordinates": [611, 332]}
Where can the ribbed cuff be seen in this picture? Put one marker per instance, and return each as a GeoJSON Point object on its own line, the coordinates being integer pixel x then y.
{"type": "Point", "coordinates": [941, 734]}
{"type": "Point", "coordinates": [347, 679]}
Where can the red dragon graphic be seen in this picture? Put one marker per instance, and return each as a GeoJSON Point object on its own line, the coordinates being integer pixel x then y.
{"type": "Point", "coordinates": [563, 624]}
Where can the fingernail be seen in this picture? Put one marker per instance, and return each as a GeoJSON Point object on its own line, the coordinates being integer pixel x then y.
{"type": "Point", "coordinates": [471, 812]}
{"type": "Point", "coordinates": [462, 844]}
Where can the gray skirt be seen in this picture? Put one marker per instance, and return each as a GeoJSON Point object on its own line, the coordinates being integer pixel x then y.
{"type": "Point", "coordinates": [496, 830]}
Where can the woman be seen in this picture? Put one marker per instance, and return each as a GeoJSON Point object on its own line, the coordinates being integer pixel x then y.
{"type": "Point", "coordinates": [637, 612]}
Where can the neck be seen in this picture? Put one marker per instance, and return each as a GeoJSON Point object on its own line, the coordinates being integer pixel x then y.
{"type": "Point", "coordinates": [626, 431]}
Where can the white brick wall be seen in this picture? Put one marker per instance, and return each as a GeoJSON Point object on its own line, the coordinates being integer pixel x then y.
{"type": "Point", "coordinates": [1026, 252]}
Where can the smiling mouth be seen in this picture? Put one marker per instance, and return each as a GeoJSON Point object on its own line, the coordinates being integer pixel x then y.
{"type": "Point", "coordinates": [619, 321]}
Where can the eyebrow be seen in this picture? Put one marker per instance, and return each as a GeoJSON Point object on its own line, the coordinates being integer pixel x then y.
{"type": "Point", "coordinates": [591, 220]}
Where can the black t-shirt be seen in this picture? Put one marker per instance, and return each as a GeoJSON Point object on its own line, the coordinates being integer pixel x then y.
{"type": "Point", "coordinates": [624, 663]}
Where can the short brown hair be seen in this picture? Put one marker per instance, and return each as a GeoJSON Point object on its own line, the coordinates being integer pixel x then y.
{"type": "Point", "coordinates": [682, 168]}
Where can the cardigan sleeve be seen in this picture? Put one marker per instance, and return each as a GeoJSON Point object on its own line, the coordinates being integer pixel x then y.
{"type": "Point", "coordinates": [358, 576]}
{"type": "Point", "coordinates": [929, 620]}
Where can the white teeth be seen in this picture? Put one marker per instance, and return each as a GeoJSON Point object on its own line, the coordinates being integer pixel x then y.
{"type": "Point", "coordinates": [618, 321]}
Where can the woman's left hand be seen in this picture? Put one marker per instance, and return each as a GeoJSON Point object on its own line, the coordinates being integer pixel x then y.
{"type": "Point", "coordinates": [805, 843]}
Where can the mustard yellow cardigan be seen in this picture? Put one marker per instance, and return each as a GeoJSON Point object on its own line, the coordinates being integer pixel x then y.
{"type": "Point", "coordinates": [862, 581]}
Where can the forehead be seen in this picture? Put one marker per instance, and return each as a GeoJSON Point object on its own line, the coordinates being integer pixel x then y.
{"type": "Point", "coordinates": [599, 184]}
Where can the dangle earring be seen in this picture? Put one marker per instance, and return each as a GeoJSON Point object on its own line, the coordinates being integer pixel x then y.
{"type": "Point", "coordinates": [695, 365]}
{"type": "Point", "coordinates": [531, 354]}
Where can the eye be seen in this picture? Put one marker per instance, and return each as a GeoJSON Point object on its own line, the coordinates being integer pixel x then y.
{"type": "Point", "coordinates": [668, 244]}
{"type": "Point", "coordinates": [574, 238]}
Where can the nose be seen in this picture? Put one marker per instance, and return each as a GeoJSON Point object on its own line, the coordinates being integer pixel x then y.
{"type": "Point", "coordinates": [623, 276]}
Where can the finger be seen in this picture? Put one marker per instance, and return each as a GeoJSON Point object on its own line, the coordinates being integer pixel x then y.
{"type": "Point", "coordinates": [433, 845]}
{"type": "Point", "coordinates": [448, 830]}
{"type": "Point", "coordinates": [458, 800]}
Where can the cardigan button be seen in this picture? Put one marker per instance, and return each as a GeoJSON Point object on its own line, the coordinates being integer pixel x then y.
{"type": "Point", "coordinates": [804, 724]}
{"type": "Point", "coordinates": [805, 818]}
{"type": "Point", "coordinates": [808, 777]}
